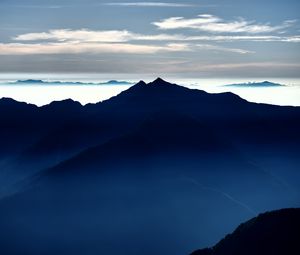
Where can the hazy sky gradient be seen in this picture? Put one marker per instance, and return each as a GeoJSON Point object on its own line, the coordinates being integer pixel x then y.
{"type": "Point", "coordinates": [188, 38]}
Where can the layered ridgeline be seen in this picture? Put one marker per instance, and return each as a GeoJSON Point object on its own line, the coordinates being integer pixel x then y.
{"type": "Point", "coordinates": [264, 84]}
{"type": "Point", "coordinates": [273, 233]}
{"type": "Point", "coordinates": [158, 169]}
{"type": "Point", "coordinates": [49, 82]}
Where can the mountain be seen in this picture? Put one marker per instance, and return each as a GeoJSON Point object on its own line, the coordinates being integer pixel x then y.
{"type": "Point", "coordinates": [272, 233]}
{"type": "Point", "coordinates": [29, 81]}
{"type": "Point", "coordinates": [264, 84]}
{"type": "Point", "coordinates": [158, 169]}
{"type": "Point", "coordinates": [115, 82]}
{"type": "Point", "coordinates": [42, 82]}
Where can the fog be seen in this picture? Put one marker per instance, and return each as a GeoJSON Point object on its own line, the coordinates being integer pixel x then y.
{"type": "Point", "coordinates": [42, 94]}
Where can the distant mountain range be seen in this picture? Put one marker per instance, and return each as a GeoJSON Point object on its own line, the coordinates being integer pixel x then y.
{"type": "Point", "coordinates": [116, 82]}
{"type": "Point", "coordinates": [272, 233]}
{"type": "Point", "coordinates": [31, 82]}
{"type": "Point", "coordinates": [158, 169]}
{"type": "Point", "coordinates": [264, 84]}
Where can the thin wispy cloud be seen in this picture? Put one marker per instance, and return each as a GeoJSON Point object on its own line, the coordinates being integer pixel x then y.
{"type": "Point", "coordinates": [239, 66]}
{"type": "Point", "coordinates": [67, 41]}
{"type": "Point", "coordinates": [214, 24]}
{"type": "Point", "coordinates": [85, 35]}
{"type": "Point", "coordinates": [220, 48]}
{"type": "Point", "coordinates": [229, 68]}
{"type": "Point", "coordinates": [150, 4]}
{"type": "Point", "coordinates": [72, 47]}
{"type": "Point", "coordinates": [78, 35]}
{"type": "Point", "coordinates": [246, 38]}
{"type": "Point", "coordinates": [89, 48]}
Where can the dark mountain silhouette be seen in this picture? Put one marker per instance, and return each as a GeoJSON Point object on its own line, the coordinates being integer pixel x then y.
{"type": "Point", "coordinates": [42, 82]}
{"type": "Point", "coordinates": [264, 84]}
{"type": "Point", "coordinates": [29, 81]}
{"type": "Point", "coordinates": [115, 82]}
{"type": "Point", "coordinates": [157, 169]}
{"type": "Point", "coordinates": [272, 233]}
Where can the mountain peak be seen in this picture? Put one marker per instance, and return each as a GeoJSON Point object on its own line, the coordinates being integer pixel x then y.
{"type": "Point", "coordinates": [68, 101]}
{"type": "Point", "coordinates": [159, 81]}
{"type": "Point", "coordinates": [141, 83]}
{"type": "Point", "coordinates": [65, 104]}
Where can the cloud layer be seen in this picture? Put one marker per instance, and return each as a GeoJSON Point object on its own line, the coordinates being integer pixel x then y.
{"type": "Point", "coordinates": [67, 41]}
{"type": "Point", "coordinates": [85, 35]}
{"type": "Point", "coordinates": [81, 47]}
{"type": "Point", "coordinates": [77, 48]}
{"type": "Point", "coordinates": [205, 43]}
{"type": "Point", "coordinates": [214, 24]}
{"type": "Point", "coordinates": [150, 4]}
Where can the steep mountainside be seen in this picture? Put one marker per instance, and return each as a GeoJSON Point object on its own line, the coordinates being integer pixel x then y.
{"type": "Point", "coordinates": [272, 233]}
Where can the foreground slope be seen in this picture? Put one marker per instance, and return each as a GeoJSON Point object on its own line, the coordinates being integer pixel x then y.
{"type": "Point", "coordinates": [272, 233]}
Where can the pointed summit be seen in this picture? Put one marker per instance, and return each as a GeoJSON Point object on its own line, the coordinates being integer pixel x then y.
{"type": "Point", "coordinates": [140, 83]}
{"type": "Point", "coordinates": [159, 81]}
{"type": "Point", "coordinates": [137, 87]}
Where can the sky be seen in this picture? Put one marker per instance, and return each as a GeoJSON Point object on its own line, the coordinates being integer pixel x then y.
{"type": "Point", "coordinates": [192, 39]}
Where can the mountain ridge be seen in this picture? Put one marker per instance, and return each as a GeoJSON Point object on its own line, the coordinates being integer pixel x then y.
{"type": "Point", "coordinates": [272, 233]}
{"type": "Point", "coordinates": [34, 81]}
{"type": "Point", "coordinates": [162, 83]}
{"type": "Point", "coordinates": [263, 84]}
